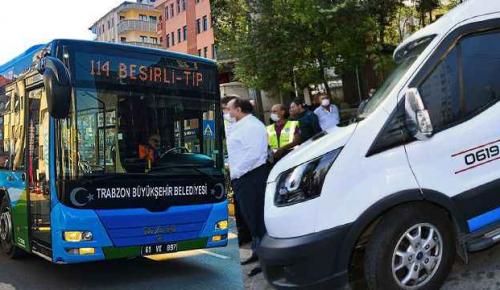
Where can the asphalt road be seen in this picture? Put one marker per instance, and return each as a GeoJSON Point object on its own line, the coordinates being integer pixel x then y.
{"type": "Point", "coordinates": [200, 269]}
{"type": "Point", "coordinates": [482, 273]}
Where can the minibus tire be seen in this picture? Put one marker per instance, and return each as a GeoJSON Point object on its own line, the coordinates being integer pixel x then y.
{"type": "Point", "coordinates": [390, 242]}
{"type": "Point", "coordinates": [7, 239]}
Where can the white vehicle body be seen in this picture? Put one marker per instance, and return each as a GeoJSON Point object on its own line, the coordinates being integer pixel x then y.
{"type": "Point", "coordinates": [457, 168]}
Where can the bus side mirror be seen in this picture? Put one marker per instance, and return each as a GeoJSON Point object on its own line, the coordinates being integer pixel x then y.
{"type": "Point", "coordinates": [418, 119]}
{"type": "Point", "coordinates": [57, 83]}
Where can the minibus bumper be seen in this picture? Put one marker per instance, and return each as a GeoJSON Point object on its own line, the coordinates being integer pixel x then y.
{"type": "Point", "coordinates": [306, 262]}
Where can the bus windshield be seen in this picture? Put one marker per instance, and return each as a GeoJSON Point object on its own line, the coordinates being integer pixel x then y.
{"type": "Point", "coordinates": [131, 132]}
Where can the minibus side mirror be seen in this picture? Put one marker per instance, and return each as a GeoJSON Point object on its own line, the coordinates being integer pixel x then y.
{"type": "Point", "coordinates": [418, 120]}
{"type": "Point", "coordinates": [57, 83]}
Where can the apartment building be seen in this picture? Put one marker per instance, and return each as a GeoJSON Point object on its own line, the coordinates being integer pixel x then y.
{"type": "Point", "coordinates": [130, 23]}
{"type": "Point", "coordinates": [185, 26]}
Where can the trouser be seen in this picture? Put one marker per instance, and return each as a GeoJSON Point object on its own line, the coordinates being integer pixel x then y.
{"type": "Point", "coordinates": [244, 235]}
{"type": "Point", "coordinates": [250, 192]}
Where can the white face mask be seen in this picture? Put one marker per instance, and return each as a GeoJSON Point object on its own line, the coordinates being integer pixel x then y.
{"type": "Point", "coordinates": [228, 118]}
{"type": "Point", "coordinates": [325, 103]}
{"type": "Point", "coordinates": [275, 117]}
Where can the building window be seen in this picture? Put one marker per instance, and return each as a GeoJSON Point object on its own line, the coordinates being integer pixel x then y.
{"type": "Point", "coordinates": [183, 5]}
{"type": "Point", "coordinates": [143, 38]}
{"type": "Point", "coordinates": [143, 17]}
{"type": "Point", "coordinates": [197, 1]}
{"type": "Point", "coordinates": [178, 6]}
{"type": "Point", "coordinates": [199, 52]}
{"type": "Point", "coordinates": [205, 23]}
{"type": "Point", "coordinates": [172, 10]}
{"type": "Point", "coordinates": [161, 40]}
{"type": "Point", "coordinates": [152, 18]}
{"type": "Point", "coordinates": [122, 17]}
{"type": "Point", "coordinates": [205, 52]}
{"type": "Point", "coordinates": [198, 26]}
{"type": "Point", "coordinates": [173, 38]}
{"type": "Point", "coordinates": [168, 40]}
{"type": "Point", "coordinates": [179, 39]}
{"type": "Point", "coordinates": [166, 13]}
{"type": "Point", "coordinates": [185, 32]}
{"type": "Point", "coordinates": [102, 28]}
{"type": "Point", "coordinates": [153, 40]}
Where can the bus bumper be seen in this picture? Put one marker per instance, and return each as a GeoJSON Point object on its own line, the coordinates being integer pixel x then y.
{"type": "Point", "coordinates": [108, 244]}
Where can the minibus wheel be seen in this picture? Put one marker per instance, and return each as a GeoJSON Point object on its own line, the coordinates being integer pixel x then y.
{"type": "Point", "coordinates": [7, 230]}
{"type": "Point", "coordinates": [413, 247]}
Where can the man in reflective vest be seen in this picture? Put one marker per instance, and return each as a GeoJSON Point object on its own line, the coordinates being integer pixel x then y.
{"type": "Point", "coordinates": [283, 135]}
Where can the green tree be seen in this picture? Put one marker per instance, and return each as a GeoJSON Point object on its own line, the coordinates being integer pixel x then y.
{"type": "Point", "coordinates": [276, 42]}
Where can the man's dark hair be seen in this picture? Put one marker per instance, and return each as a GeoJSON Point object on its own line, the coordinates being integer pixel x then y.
{"type": "Point", "coordinates": [228, 98]}
{"type": "Point", "coordinates": [299, 102]}
{"type": "Point", "coordinates": [245, 105]}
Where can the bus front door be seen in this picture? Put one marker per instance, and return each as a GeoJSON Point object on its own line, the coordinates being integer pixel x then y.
{"type": "Point", "coordinates": [37, 172]}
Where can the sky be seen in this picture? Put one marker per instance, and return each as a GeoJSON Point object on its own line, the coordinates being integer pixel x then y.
{"type": "Point", "coordinates": [24, 23]}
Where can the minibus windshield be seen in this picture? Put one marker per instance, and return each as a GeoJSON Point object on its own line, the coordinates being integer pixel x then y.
{"type": "Point", "coordinates": [405, 58]}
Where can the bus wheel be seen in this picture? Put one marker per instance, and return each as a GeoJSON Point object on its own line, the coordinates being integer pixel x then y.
{"type": "Point", "coordinates": [413, 247]}
{"type": "Point", "coordinates": [6, 231]}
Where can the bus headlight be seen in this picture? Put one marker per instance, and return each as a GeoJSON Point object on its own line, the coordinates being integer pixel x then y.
{"type": "Point", "coordinates": [222, 225]}
{"type": "Point", "coordinates": [75, 236]}
{"type": "Point", "coordinates": [305, 181]}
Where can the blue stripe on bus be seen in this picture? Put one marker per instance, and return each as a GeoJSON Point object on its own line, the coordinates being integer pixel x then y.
{"type": "Point", "coordinates": [484, 219]}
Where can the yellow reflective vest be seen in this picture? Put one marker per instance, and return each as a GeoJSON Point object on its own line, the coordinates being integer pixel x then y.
{"type": "Point", "coordinates": [286, 135]}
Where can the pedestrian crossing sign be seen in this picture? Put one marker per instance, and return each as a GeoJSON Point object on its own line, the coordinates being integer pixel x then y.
{"type": "Point", "coordinates": [209, 129]}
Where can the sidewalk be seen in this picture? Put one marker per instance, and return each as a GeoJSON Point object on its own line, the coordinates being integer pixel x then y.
{"type": "Point", "coordinates": [257, 282]}
{"type": "Point", "coordinates": [482, 272]}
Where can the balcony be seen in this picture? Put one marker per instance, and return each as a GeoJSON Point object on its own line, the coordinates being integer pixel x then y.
{"type": "Point", "coordinates": [136, 25]}
{"type": "Point", "coordinates": [136, 6]}
{"type": "Point", "coordinates": [144, 44]}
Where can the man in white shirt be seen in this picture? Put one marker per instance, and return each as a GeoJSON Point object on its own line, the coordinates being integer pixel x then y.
{"type": "Point", "coordinates": [243, 231]}
{"type": "Point", "coordinates": [327, 113]}
{"type": "Point", "coordinates": [247, 150]}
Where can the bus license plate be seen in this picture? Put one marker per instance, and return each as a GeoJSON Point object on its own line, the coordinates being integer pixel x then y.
{"type": "Point", "coordinates": [159, 249]}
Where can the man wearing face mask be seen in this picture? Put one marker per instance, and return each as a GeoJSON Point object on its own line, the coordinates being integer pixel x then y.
{"type": "Point", "coordinates": [283, 135]}
{"type": "Point", "coordinates": [244, 235]}
{"type": "Point", "coordinates": [247, 148]}
{"type": "Point", "coordinates": [328, 113]}
{"type": "Point", "coordinates": [228, 120]}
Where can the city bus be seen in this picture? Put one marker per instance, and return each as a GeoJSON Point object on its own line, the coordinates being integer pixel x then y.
{"type": "Point", "coordinates": [109, 151]}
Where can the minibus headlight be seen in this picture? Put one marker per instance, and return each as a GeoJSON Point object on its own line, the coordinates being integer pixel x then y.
{"type": "Point", "coordinates": [305, 181]}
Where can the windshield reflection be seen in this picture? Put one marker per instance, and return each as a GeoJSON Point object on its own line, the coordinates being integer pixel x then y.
{"type": "Point", "coordinates": [111, 132]}
{"type": "Point", "coordinates": [405, 59]}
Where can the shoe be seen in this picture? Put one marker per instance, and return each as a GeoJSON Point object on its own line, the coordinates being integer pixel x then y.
{"type": "Point", "coordinates": [255, 271]}
{"type": "Point", "coordinates": [250, 260]}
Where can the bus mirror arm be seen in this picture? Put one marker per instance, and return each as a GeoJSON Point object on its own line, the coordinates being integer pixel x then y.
{"type": "Point", "coordinates": [57, 83]}
{"type": "Point", "coordinates": [418, 120]}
